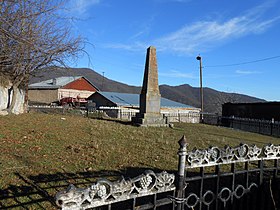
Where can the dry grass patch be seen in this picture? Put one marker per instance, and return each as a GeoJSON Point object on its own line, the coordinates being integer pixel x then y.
{"type": "Point", "coordinates": [43, 153]}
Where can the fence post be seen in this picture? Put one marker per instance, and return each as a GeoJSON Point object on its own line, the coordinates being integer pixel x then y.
{"type": "Point", "coordinates": [181, 172]}
{"type": "Point", "coordinates": [271, 126]}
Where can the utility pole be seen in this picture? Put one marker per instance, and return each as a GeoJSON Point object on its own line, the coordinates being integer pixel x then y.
{"type": "Point", "coordinates": [201, 88]}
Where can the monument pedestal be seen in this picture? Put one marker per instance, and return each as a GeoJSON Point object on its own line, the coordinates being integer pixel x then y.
{"type": "Point", "coordinates": [150, 119]}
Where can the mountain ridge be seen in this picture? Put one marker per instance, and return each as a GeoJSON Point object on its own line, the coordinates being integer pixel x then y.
{"type": "Point", "coordinates": [184, 93]}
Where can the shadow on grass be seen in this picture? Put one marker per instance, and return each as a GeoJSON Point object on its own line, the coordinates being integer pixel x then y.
{"type": "Point", "coordinates": [39, 191]}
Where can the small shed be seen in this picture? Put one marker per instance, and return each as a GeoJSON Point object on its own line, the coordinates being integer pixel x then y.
{"type": "Point", "coordinates": [126, 105]}
{"type": "Point", "coordinates": [53, 90]}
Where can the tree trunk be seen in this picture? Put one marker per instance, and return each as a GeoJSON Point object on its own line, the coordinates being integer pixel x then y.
{"type": "Point", "coordinates": [4, 99]}
{"type": "Point", "coordinates": [17, 100]}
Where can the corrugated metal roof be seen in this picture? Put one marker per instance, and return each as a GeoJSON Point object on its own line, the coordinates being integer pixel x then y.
{"type": "Point", "coordinates": [54, 83]}
{"type": "Point", "coordinates": [129, 99]}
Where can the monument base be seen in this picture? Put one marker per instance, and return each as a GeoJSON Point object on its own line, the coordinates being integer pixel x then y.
{"type": "Point", "coordinates": [150, 119]}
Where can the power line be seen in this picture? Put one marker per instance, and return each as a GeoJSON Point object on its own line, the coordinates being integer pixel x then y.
{"type": "Point", "coordinates": [248, 62]}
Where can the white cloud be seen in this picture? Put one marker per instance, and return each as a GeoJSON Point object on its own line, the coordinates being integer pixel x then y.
{"type": "Point", "coordinates": [137, 46]}
{"type": "Point", "coordinates": [203, 35]}
{"type": "Point", "coordinates": [177, 74]}
{"type": "Point", "coordinates": [246, 72]}
{"type": "Point", "coordinates": [81, 6]}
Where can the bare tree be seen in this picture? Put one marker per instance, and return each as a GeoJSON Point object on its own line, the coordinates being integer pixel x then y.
{"type": "Point", "coordinates": [33, 35]}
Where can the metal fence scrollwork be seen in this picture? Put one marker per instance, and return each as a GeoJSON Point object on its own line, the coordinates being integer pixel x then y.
{"type": "Point", "coordinates": [105, 192]}
{"type": "Point", "coordinates": [227, 155]}
{"type": "Point", "coordinates": [234, 173]}
{"type": "Point", "coordinates": [241, 177]}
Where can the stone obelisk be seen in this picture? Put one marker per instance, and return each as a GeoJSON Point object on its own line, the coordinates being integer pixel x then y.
{"type": "Point", "coordinates": [149, 114]}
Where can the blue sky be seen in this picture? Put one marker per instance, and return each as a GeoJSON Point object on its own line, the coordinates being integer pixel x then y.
{"type": "Point", "coordinates": [223, 32]}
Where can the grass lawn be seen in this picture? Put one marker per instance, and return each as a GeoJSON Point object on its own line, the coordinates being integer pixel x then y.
{"type": "Point", "coordinates": [41, 154]}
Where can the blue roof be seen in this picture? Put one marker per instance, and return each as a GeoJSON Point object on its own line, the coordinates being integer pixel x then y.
{"type": "Point", "coordinates": [129, 99]}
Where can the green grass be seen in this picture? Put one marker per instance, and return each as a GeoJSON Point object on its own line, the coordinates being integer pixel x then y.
{"type": "Point", "coordinates": [41, 154]}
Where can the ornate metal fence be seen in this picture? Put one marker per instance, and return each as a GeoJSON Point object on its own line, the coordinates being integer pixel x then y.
{"type": "Point", "coordinates": [242, 177]}
{"type": "Point", "coordinates": [147, 191]}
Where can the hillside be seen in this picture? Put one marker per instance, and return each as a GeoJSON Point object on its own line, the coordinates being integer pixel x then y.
{"type": "Point", "coordinates": [94, 77]}
{"type": "Point", "coordinates": [213, 99]}
{"type": "Point", "coordinates": [186, 94]}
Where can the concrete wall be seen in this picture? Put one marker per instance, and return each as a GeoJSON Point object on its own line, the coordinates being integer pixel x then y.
{"type": "Point", "coordinates": [43, 96]}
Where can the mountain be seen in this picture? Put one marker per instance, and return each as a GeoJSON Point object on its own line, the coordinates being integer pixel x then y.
{"type": "Point", "coordinates": [213, 99]}
{"type": "Point", "coordinates": [186, 94]}
{"type": "Point", "coordinates": [103, 84]}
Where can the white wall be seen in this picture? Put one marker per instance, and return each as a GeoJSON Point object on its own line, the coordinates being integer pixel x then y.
{"type": "Point", "coordinates": [62, 93]}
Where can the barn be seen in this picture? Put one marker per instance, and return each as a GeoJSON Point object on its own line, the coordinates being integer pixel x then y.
{"type": "Point", "coordinates": [126, 105]}
{"type": "Point", "coordinates": [53, 90]}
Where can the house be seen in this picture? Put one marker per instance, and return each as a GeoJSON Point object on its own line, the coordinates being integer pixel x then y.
{"type": "Point", "coordinates": [126, 105]}
{"type": "Point", "coordinates": [53, 90]}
